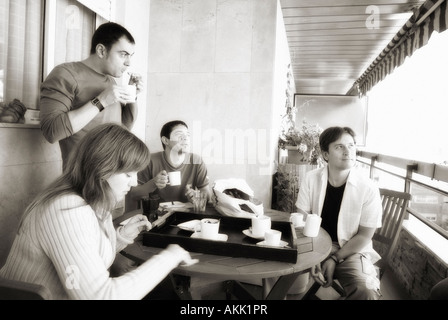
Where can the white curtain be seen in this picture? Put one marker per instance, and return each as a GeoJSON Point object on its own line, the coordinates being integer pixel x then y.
{"type": "Point", "coordinates": [21, 44]}
{"type": "Point", "coordinates": [75, 26]}
{"type": "Point", "coordinates": [20, 50]}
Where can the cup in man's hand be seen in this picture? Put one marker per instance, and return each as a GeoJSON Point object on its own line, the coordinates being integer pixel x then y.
{"type": "Point", "coordinates": [174, 178]}
{"type": "Point", "coordinates": [131, 91]}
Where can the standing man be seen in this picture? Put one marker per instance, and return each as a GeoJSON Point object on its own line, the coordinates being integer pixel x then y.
{"type": "Point", "coordinates": [351, 210]}
{"type": "Point", "coordinates": [78, 96]}
{"type": "Point", "coordinates": [176, 156]}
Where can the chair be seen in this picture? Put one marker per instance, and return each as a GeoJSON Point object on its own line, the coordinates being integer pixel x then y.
{"type": "Point", "coordinates": [384, 240]}
{"type": "Point", "coordinates": [395, 204]}
{"type": "Point", "coordinates": [19, 290]}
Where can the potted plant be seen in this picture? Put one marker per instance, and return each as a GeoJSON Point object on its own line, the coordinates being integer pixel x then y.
{"type": "Point", "coordinates": [305, 141]}
{"type": "Point", "coordinates": [303, 153]}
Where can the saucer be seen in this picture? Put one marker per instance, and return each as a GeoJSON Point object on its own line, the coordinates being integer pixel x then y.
{"type": "Point", "coordinates": [221, 236]}
{"type": "Point", "coordinates": [281, 245]}
{"type": "Point", "coordinates": [189, 225]}
{"type": "Point", "coordinates": [248, 233]}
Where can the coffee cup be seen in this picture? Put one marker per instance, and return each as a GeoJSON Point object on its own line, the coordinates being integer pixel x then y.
{"type": "Point", "coordinates": [272, 237]}
{"type": "Point", "coordinates": [312, 225]}
{"type": "Point", "coordinates": [131, 90]}
{"type": "Point", "coordinates": [260, 224]}
{"type": "Point", "coordinates": [174, 178]}
{"type": "Point", "coordinates": [209, 228]}
{"type": "Point", "coordinates": [297, 219]}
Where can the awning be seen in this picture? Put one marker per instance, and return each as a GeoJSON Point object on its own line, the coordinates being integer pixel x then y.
{"type": "Point", "coordinates": [431, 16]}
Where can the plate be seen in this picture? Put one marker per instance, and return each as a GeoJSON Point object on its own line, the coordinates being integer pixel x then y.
{"type": "Point", "coordinates": [176, 205]}
{"type": "Point", "coordinates": [189, 225]}
{"type": "Point", "coordinates": [281, 245]}
{"type": "Point", "coordinates": [221, 236]}
{"type": "Point", "coordinates": [248, 233]}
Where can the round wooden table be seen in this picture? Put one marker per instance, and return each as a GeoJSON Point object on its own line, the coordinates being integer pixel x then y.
{"type": "Point", "coordinates": [233, 270]}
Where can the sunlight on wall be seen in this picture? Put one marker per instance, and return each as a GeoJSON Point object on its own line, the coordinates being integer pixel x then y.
{"type": "Point", "coordinates": [408, 110]}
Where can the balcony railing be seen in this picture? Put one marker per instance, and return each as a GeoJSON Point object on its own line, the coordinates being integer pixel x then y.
{"type": "Point", "coordinates": [427, 182]}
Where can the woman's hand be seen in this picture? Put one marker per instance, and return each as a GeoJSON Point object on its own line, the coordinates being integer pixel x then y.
{"type": "Point", "coordinates": [136, 224]}
{"type": "Point", "coordinates": [185, 259]}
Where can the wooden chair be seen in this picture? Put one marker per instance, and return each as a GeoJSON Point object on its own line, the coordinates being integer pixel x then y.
{"type": "Point", "coordinates": [19, 290]}
{"type": "Point", "coordinates": [395, 204]}
{"type": "Point", "coordinates": [384, 240]}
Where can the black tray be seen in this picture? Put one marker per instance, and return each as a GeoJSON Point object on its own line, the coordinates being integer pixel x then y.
{"type": "Point", "coordinates": [237, 244]}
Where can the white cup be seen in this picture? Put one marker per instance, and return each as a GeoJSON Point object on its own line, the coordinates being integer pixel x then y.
{"type": "Point", "coordinates": [209, 228]}
{"type": "Point", "coordinates": [260, 225]}
{"type": "Point", "coordinates": [297, 219]}
{"type": "Point", "coordinates": [312, 225]}
{"type": "Point", "coordinates": [272, 237]}
{"type": "Point", "coordinates": [174, 178]}
{"type": "Point", "coordinates": [131, 89]}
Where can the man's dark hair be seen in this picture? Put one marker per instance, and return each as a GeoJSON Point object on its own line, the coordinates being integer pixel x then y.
{"type": "Point", "coordinates": [332, 134]}
{"type": "Point", "coordinates": [168, 128]}
{"type": "Point", "coordinates": [108, 34]}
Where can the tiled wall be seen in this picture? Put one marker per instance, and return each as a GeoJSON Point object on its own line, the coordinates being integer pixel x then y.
{"type": "Point", "coordinates": [213, 64]}
{"type": "Point", "coordinates": [27, 164]}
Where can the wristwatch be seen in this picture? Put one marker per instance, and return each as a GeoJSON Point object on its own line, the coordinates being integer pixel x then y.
{"type": "Point", "coordinates": [96, 102]}
{"type": "Point", "coordinates": [335, 259]}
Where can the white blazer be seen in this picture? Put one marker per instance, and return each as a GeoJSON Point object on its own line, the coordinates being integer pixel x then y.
{"type": "Point", "coordinates": [361, 204]}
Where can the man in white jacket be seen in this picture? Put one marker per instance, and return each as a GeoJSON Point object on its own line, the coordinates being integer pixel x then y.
{"type": "Point", "coordinates": [349, 204]}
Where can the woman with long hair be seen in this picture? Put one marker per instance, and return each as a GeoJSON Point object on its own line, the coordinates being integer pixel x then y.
{"type": "Point", "coordinates": [67, 241]}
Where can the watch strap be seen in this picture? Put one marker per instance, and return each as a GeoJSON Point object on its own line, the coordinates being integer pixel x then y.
{"type": "Point", "coordinates": [97, 103]}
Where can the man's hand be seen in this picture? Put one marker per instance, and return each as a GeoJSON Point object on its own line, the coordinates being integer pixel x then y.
{"type": "Point", "coordinates": [114, 94]}
{"type": "Point", "coordinates": [161, 179]}
{"type": "Point", "coordinates": [137, 79]}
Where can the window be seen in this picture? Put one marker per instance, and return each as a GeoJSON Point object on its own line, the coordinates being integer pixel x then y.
{"type": "Point", "coordinates": [25, 59]}
{"type": "Point", "coordinates": [75, 27]}
{"type": "Point", "coordinates": [20, 50]}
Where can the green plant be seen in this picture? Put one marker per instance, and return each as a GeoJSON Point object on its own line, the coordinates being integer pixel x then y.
{"type": "Point", "coordinates": [306, 139]}
{"type": "Point", "coordinates": [287, 190]}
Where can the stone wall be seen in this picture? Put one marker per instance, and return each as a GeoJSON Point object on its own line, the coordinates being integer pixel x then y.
{"type": "Point", "coordinates": [416, 267]}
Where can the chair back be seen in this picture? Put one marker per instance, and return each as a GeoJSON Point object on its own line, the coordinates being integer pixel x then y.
{"type": "Point", "coordinates": [19, 290]}
{"type": "Point", "coordinates": [395, 205]}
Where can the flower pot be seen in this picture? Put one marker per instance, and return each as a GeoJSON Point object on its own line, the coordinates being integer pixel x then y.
{"type": "Point", "coordinates": [295, 157]}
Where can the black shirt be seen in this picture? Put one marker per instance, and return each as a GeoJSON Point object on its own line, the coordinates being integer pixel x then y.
{"type": "Point", "coordinates": [330, 211]}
